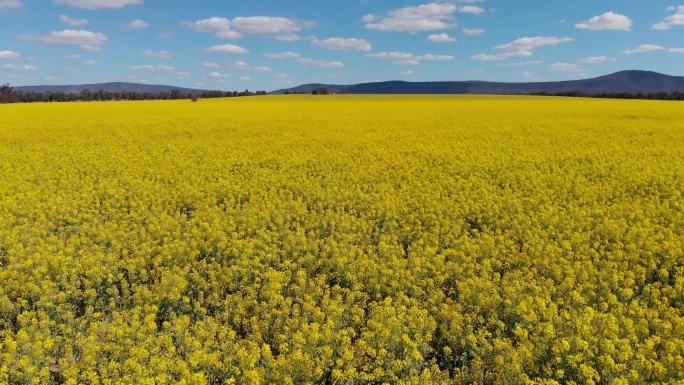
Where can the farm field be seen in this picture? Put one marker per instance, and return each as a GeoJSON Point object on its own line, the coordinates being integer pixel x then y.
{"type": "Point", "coordinates": [342, 240]}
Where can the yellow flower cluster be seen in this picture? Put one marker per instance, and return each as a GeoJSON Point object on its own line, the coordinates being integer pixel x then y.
{"type": "Point", "coordinates": [342, 240]}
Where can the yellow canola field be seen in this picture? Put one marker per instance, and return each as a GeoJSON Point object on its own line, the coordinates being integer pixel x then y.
{"type": "Point", "coordinates": [342, 240]}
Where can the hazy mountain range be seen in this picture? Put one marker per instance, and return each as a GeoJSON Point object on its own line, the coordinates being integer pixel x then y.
{"type": "Point", "coordinates": [625, 81]}
{"type": "Point", "coordinates": [109, 87]}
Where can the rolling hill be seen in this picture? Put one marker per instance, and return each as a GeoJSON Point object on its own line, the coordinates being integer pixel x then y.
{"type": "Point", "coordinates": [109, 87]}
{"type": "Point", "coordinates": [624, 81]}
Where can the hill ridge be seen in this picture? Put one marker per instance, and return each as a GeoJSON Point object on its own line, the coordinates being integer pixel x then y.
{"type": "Point", "coordinates": [628, 81]}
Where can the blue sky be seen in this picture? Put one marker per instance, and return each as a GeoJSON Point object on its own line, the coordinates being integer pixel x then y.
{"type": "Point", "coordinates": [271, 44]}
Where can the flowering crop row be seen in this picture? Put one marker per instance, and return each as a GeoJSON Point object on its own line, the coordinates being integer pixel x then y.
{"type": "Point", "coordinates": [342, 240]}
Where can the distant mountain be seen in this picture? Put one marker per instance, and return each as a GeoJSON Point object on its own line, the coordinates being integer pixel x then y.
{"type": "Point", "coordinates": [625, 81]}
{"type": "Point", "coordinates": [109, 87]}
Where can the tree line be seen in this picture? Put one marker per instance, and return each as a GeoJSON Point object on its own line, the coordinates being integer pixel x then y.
{"type": "Point", "coordinates": [677, 95]}
{"type": "Point", "coordinates": [9, 95]}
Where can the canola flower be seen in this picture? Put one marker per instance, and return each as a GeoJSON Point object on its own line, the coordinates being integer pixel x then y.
{"type": "Point", "coordinates": [342, 240]}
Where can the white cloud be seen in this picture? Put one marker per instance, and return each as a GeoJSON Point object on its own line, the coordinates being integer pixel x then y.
{"type": "Point", "coordinates": [90, 62]}
{"type": "Point", "coordinates": [159, 55]}
{"type": "Point", "coordinates": [210, 65]}
{"type": "Point", "coordinates": [245, 78]}
{"type": "Point", "coordinates": [473, 32]}
{"type": "Point", "coordinates": [219, 26]}
{"type": "Point", "coordinates": [282, 76]}
{"type": "Point", "coordinates": [441, 38]}
{"type": "Point", "coordinates": [530, 43]}
{"type": "Point", "coordinates": [98, 4]}
{"type": "Point", "coordinates": [471, 9]}
{"type": "Point", "coordinates": [435, 57]}
{"type": "Point", "coordinates": [391, 55]}
{"type": "Point", "coordinates": [72, 21]}
{"type": "Point", "coordinates": [227, 48]}
{"type": "Point", "coordinates": [266, 24]}
{"type": "Point", "coordinates": [407, 62]}
{"type": "Point", "coordinates": [217, 75]}
{"type": "Point", "coordinates": [88, 41]}
{"type": "Point", "coordinates": [31, 59]}
{"type": "Point", "coordinates": [339, 43]}
{"type": "Point", "coordinates": [644, 48]}
{"type": "Point", "coordinates": [9, 55]}
{"type": "Point", "coordinates": [71, 57]}
{"type": "Point", "coordinates": [281, 55]}
{"type": "Point", "coordinates": [290, 37]}
{"type": "Point", "coordinates": [238, 65]}
{"type": "Point", "coordinates": [405, 58]}
{"type": "Point", "coordinates": [405, 73]}
{"type": "Point", "coordinates": [521, 47]}
{"type": "Point", "coordinates": [676, 19]}
{"type": "Point", "coordinates": [234, 29]}
{"type": "Point", "coordinates": [369, 18]}
{"type": "Point", "coordinates": [306, 62]}
{"type": "Point", "coordinates": [148, 67]}
{"type": "Point", "coordinates": [564, 67]}
{"type": "Point", "coordinates": [425, 17]}
{"type": "Point", "coordinates": [522, 63]}
{"type": "Point", "coordinates": [136, 24]}
{"type": "Point", "coordinates": [14, 67]}
{"type": "Point", "coordinates": [676, 50]}
{"type": "Point", "coordinates": [7, 5]}
{"type": "Point", "coordinates": [595, 59]}
{"type": "Point", "coordinates": [607, 21]}
{"type": "Point", "coordinates": [262, 69]}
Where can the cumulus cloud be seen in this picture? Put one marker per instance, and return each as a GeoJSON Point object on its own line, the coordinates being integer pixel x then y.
{"type": "Point", "coordinates": [676, 19]}
{"type": "Point", "coordinates": [405, 58]}
{"type": "Point", "coordinates": [148, 67]}
{"type": "Point", "coordinates": [607, 21]}
{"type": "Point", "coordinates": [522, 63]}
{"type": "Point", "coordinates": [262, 69]}
{"type": "Point", "coordinates": [339, 43]}
{"type": "Point", "coordinates": [290, 37]}
{"type": "Point", "coordinates": [8, 5]}
{"type": "Point", "coordinates": [72, 21]}
{"type": "Point", "coordinates": [227, 48]}
{"type": "Point", "coordinates": [135, 24]}
{"type": "Point", "coordinates": [245, 78]}
{"type": "Point", "coordinates": [595, 59]}
{"type": "Point", "coordinates": [217, 75]}
{"type": "Point", "coordinates": [219, 26]}
{"type": "Point", "coordinates": [210, 65]}
{"type": "Point", "coordinates": [441, 38]}
{"type": "Point", "coordinates": [644, 48]}
{"type": "Point", "coordinates": [90, 62]}
{"type": "Point", "coordinates": [9, 55]}
{"type": "Point", "coordinates": [473, 32]}
{"type": "Point", "coordinates": [267, 24]}
{"type": "Point", "coordinates": [471, 9]}
{"type": "Point", "coordinates": [98, 4]}
{"type": "Point", "coordinates": [306, 62]}
{"type": "Point", "coordinates": [406, 73]}
{"type": "Point", "coordinates": [159, 54]}
{"type": "Point", "coordinates": [676, 50]}
{"type": "Point", "coordinates": [15, 67]}
{"type": "Point", "coordinates": [425, 17]}
{"type": "Point", "coordinates": [369, 18]}
{"type": "Point", "coordinates": [281, 55]}
{"type": "Point", "coordinates": [72, 57]}
{"type": "Point", "coordinates": [565, 67]}
{"type": "Point", "coordinates": [521, 47]}
{"type": "Point", "coordinates": [235, 28]}
{"type": "Point", "coordinates": [86, 40]}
